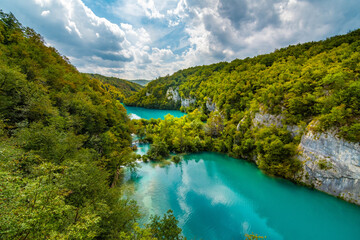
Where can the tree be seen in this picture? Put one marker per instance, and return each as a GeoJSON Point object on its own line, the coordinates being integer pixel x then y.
{"type": "Point", "coordinates": [165, 228]}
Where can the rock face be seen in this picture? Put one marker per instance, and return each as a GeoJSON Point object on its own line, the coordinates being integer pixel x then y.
{"type": "Point", "coordinates": [174, 95]}
{"type": "Point", "coordinates": [210, 105]}
{"type": "Point", "coordinates": [331, 165]}
{"type": "Point", "coordinates": [262, 118]}
{"type": "Point", "coordinates": [266, 119]}
{"type": "Point", "coordinates": [186, 102]}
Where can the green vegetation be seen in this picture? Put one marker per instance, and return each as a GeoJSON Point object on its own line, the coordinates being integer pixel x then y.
{"type": "Point", "coordinates": [253, 237]}
{"type": "Point", "coordinates": [164, 228]}
{"type": "Point", "coordinates": [64, 136]}
{"type": "Point", "coordinates": [312, 81]}
{"type": "Point", "coordinates": [175, 159]}
{"type": "Point", "coordinates": [118, 88]}
{"type": "Point", "coordinates": [313, 84]}
{"type": "Point", "coordinates": [63, 140]}
{"type": "Point", "coordinates": [324, 165]}
{"type": "Point", "coordinates": [273, 146]}
{"type": "Point", "coordinates": [141, 82]}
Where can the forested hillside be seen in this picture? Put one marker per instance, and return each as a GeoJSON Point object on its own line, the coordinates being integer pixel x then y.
{"type": "Point", "coordinates": [63, 139]}
{"type": "Point", "coordinates": [142, 82]}
{"type": "Point", "coordinates": [260, 108]}
{"type": "Point", "coordinates": [315, 80]}
{"type": "Point", "coordinates": [118, 88]}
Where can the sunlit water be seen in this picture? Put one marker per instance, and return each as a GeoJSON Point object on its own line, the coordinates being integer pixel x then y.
{"type": "Point", "coordinates": [218, 197]}
{"type": "Point", "coordinates": [137, 113]}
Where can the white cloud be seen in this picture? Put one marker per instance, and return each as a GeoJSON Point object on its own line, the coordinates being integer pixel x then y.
{"type": "Point", "coordinates": [150, 10]}
{"type": "Point", "coordinates": [45, 13]}
{"type": "Point", "coordinates": [157, 37]}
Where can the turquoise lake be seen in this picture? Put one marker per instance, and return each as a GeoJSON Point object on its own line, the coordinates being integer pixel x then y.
{"type": "Point", "coordinates": [137, 113]}
{"type": "Point", "coordinates": [218, 197]}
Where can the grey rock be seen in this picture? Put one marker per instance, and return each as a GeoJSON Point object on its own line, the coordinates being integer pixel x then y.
{"type": "Point", "coordinates": [174, 95]}
{"type": "Point", "coordinates": [210, 105]}
{"type": "Point", "coordinates": [341, 174]}
{"type": "Point", "coordinates": [186, 102]}
{"type": "Point", "coordinates": [262, 118]}
{"type": "Point", "coordinates": [330, 164]}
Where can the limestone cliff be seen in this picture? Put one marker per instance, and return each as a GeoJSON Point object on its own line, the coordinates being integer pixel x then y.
{"type": "Point", "coordinates": [211, 106]}
{"type": "Point", "coordinates": [330, 164]}
{"type": "Point", "coordinates": [262, 118]}
{"type": "Point", "coordinates": [174, 95]}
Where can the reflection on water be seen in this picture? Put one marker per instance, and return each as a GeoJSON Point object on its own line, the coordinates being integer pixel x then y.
{"type": "Point", "coordinates": [217, 197]}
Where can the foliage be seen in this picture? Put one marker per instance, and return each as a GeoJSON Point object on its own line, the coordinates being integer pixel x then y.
{"type": "Point", "coordinates": [324, 165]}
{"type": "Point", "coordinates": [63, 139]}
{"type": "Point", "coordinates": [141, 82]}
{"type": "Point", "coordinates": [305, 82]}
{"type": "Point", "coordinates": [274, 147]}
{"type": "Point", "coordinates": [159, 228]}
{"type": "Point", "coordinates": [118, 88]}
{"type": "Point", "coordinates": [165, 228]}
{"type": "Point", "coordinates": [253, 237]}
{"type": "Point", "coordinates": [175, 159]}
{"type": "Point", "coordinates": [158, 150]}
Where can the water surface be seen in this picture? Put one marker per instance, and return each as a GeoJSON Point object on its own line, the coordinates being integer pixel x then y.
{"type": "Point", "coordinates": [218, 197]}
{"type": "Point", "coordinates": [146, 113]}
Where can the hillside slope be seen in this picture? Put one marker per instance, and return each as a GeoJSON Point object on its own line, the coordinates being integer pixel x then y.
{"type": "Point", "coordinates": [279, 109]}
{"type": "Point", "coordinates": [142, 82]}
{"type": "Point", "coordinates": [118, 88]}
{"type": "Point", "coordinates": [63, 139]}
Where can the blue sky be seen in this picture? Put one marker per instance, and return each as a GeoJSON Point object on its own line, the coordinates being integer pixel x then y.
{"type": "Point", "coordinates": [145, 39]}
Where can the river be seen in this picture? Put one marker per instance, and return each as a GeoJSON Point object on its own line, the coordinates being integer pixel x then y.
{"type": "Point", "coordinates": [218, 197]}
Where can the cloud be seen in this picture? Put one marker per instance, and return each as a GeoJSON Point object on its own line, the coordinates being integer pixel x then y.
{"type": "Point", "coordinates": [45, 13]}
{"type": "Point", "coordinates": [228, 29]}
{"type": "Point", "coordinates": [150, 10]}
{"type": "Point", "coordinates": [151, 38]}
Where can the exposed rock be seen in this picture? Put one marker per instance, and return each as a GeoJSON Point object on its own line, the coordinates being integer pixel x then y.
{"type": "Point", "coordinates": [331, 165]}
{"type": "Point", "coordinates": [174, 95]}
{"type": "Point", "coordinates": [186, 102]}
{"type": "Point", "coordinates": [210, 105]}
{"type": "Point", "coordinates": [242, 121]}
{"type": "Point", "coordinates": [294, 130]}
{"type": "Point", "coordinates": [262, 118]}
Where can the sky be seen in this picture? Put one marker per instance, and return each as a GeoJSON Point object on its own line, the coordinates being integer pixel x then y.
{"type": "Point", "coordinates": [145, 39]}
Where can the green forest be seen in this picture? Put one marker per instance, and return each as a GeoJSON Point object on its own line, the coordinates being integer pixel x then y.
{"type": "Point", "coordinates": [63, 139]}
{"type": "Point", "coordinates": [312, 86]}
{"type": "Point", "coordinates": [119, 89]}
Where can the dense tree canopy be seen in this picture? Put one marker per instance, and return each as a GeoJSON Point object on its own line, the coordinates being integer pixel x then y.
{"type": "Point", "coordinates": [311, 81]}
{"type": "Point", "coordinates": [312, 86]}
{"type": "Point", "coordinates": [118, 88]}
{"type": "Point", "coordinates": [63, 140]}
